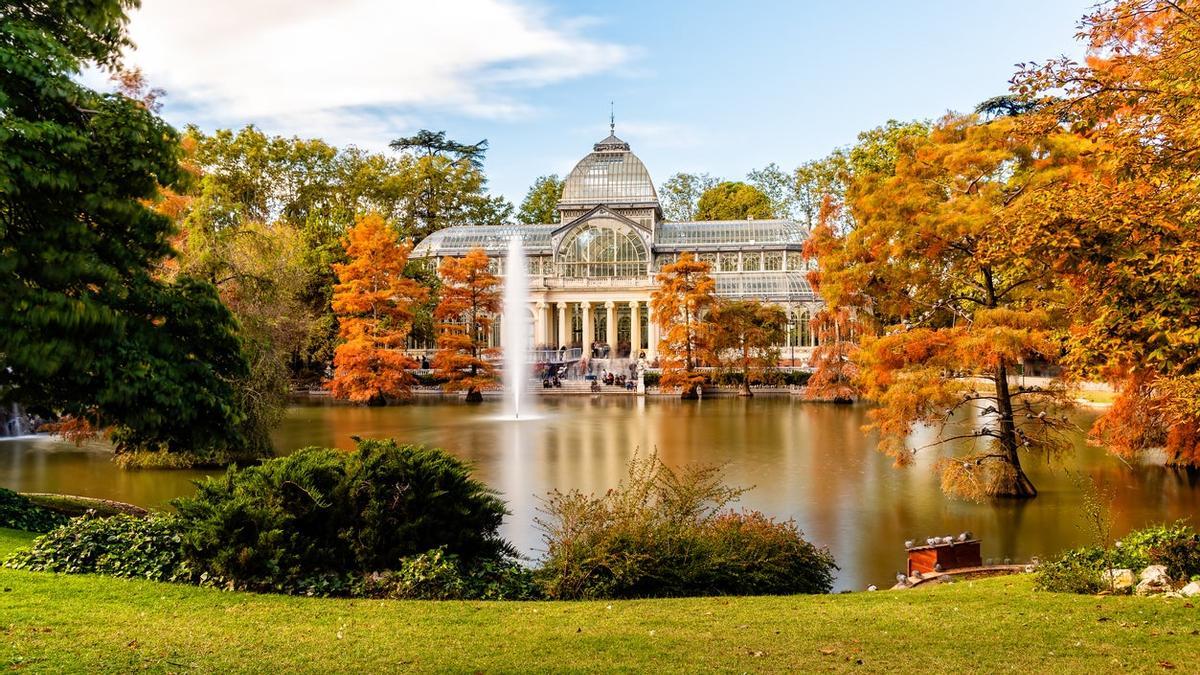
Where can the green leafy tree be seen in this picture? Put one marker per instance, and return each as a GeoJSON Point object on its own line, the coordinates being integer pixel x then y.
{"type": "Point", "coordinates": [680, 195]}
{"type": "Point", "coordinates": [443, 184]}
{"type": "Point", "coordinates": [90, 330]}
{"type": "Point", "coordinates": [541, 202]}
{"type": "Point", "coordinates": [733, 200]}
{"type": "Point", "coordinates": [779, 187]}
{"type": "Point", "coordinates": [820, 185]}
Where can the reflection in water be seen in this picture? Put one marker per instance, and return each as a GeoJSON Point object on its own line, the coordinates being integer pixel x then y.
{"type": "Point", "coordinates": [811, 462]}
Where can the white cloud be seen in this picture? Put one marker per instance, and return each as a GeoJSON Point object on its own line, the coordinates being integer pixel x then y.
{"type": "Point", "coordinates": [356, 68]}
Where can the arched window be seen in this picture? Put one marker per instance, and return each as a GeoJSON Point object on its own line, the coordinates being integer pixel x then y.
{"type": "Point", "coordinates": [602, 248]}
{"type": "Point", "coordinates": [801, 333]}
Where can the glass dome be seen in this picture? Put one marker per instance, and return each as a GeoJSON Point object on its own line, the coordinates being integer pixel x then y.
{"type": "Point", "coordinates": [602, 248]}
{"type": "Point", "coordinates": [609, 175]}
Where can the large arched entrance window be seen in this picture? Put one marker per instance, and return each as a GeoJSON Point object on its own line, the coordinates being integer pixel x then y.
{"type": "Point", "coordinates": [602, 248]}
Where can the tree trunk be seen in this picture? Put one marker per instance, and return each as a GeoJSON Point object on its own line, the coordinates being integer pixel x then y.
{"type": "Point", "coordinates": [745, 373]}
{"type": "Point", "coordinates": [474, 395]}
{"type": "Point", "coordinates": [689, 393]}
{"type": "Point", "coordinates": [1011, 480]}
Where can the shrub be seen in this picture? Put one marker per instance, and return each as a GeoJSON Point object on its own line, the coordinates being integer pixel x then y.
{"type": "Point", "coordinates": [755, 555]}
{"type": "Point", "coordinates": [429, 379]}
{"type": "Point", "coordinates": [17, 512]}
{"type": "Point", "coordinates": [436, 575]}
{"type": "Point", "coordinates": [1181, 556]}
{"type": "Point", "coordinates": [120, 546]}
{"type": "Point", "coordinates": [1075, 571]}
{"type": "Point", "coordinates": [1133, 551]}
{"type": "Point", "coordinates": [663, 533]}
{"type": "Point", "coordinates": [304, 521]}
{"type": "Point", "coordinates": [1082, 570]}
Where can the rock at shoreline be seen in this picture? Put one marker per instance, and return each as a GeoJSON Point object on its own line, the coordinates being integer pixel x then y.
{"type": "Point", "coordinates": [1120, 579]}
{"type": "Point", "coordinates": [1154, 580]}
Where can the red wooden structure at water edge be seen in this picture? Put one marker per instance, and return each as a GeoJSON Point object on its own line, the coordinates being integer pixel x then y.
{"type": "Point", "coordinates": [942, 554]}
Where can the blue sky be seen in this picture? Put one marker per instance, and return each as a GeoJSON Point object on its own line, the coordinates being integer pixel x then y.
{"type": "Point", "coordinates": [705, 86]}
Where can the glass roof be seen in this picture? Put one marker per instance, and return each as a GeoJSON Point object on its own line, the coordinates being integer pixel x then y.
{"type": "Point", "coordinates": [460, 239]}
{"type": "Point", "coordinates": [791, 286]}
{"type": "Point", "coordinates": [610, 175]}
{"type": "Point", "coordinates": [729, 233]}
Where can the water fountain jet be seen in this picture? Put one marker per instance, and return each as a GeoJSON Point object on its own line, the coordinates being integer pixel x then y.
{"type": "Point", "coordinates": [517, 332]}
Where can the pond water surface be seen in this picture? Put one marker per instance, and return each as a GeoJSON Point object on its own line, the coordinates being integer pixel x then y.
{"type": "Point", "coordinates": [807, 461]}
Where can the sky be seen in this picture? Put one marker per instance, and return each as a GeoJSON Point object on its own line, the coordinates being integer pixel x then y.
{"type": "Point", "coordinates": [700, 86]}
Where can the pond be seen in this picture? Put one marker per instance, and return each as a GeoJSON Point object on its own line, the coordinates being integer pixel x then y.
{"type": "Point", "coordinates": [807, 461]}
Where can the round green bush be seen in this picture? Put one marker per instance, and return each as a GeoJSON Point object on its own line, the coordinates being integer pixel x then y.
{"type": "Point", "coordinates": [302, 522]}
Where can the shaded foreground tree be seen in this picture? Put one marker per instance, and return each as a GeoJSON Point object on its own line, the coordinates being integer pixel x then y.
{"type": "Point", "coordinates": [470, 300]}
{"type": "Point", "coordinates": [1124, 231]}
{"type": "Point", "coordinates": [686, 292]}
{"type": "Point", "coordinates": [938, 245]}
{"type": "Point", "coordinates": [90, 330]}
{"type": "Point", "coordinates": [374, 303]}
{"type": "Point", "coordinates": [746, 336]}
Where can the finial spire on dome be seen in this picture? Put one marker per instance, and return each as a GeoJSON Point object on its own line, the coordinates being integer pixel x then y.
{"type": "Point", "coordinates": [612, 119]}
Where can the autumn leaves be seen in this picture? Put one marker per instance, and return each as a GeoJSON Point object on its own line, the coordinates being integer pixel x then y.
{"type": "Point", "coordinates": [1060, 227]}
{"type": "Point", "coordinates": [376, 302]}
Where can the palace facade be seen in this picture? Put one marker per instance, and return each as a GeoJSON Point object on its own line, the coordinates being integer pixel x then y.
{"type": "Point", "coordinates": [591, 274]}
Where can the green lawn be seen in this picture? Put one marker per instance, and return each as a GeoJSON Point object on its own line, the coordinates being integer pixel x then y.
{"type": "Point", "coordinates": [87, 623]}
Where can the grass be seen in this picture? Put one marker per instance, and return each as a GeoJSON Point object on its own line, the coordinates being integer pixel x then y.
{"type": "Point", "coordinates": [86, 623]}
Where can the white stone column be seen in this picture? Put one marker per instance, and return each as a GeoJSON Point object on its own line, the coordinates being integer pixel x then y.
{"type": "Point", "coordinates": [588, 329]}
{"type": "Point", "coordinates": [539, 323]}
{"type": "Point", "coordinates": [651, 334]}
{"type": "Point", "coordinates": [635, 328]}
{"type": "Point", "coordinates": [562, 325]}
{"type": "Point", "coordinates": [612, 328]}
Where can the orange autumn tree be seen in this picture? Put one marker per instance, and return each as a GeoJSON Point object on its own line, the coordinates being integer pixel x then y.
{"type": "Point", "coordinates": [937, 245]}
{"type": "Point", "coordinates": [374, 303]}
{"type": "Point", "coordinates": [835, 372]}
{"type": "Point", "coordinates": [686, 292]}
{"type": "Point", "coordinates": [470, 299]}
{"type": "Point", "coordinates": [839, 325]}
{"type": "Point", "coordinates": [748, 337]}
{"type": "Point", "coordinates": [1125, 233]}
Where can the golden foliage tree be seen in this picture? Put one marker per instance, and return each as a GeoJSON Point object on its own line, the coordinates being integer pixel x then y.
{"type": "Point", "coordinates": [1125, 230]}
{"type": "Point", "coordinates": [686, 292]}
{"type": "Point", "coordinates": [470, 299]}
{"type": "Point", "coordinates": [374, 304]}
{"type": "Point", "coordinates": [938, 245]}
{"type": "Point", "coordinates": [841, 324]}
{"type": "Point", "coordinates": [835, 371]}
{"type": "Point", "coordinates": [749, 337]}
